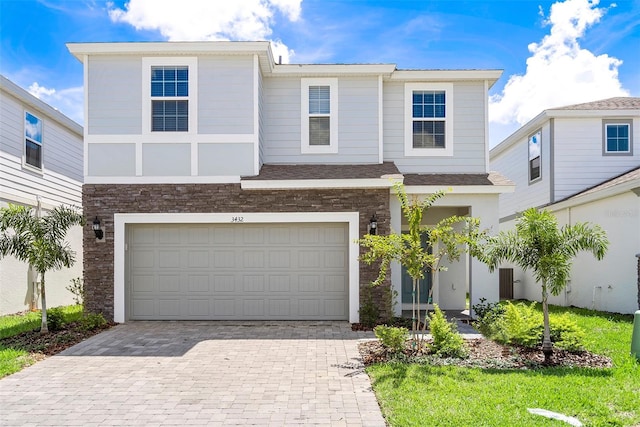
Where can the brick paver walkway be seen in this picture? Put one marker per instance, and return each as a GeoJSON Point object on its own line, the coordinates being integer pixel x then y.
{"type": "Point", "coordinates": [199, 373]}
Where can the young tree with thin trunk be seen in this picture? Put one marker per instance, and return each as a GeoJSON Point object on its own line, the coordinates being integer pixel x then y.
{"type": "Point", "coordinates": [449, 238]}
{"type": "Point", "coordinates": [39, 241]}
{"type": "Point", "coordinates": [537, 244]}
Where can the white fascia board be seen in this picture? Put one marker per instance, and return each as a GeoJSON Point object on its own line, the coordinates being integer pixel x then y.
{"type": "Point", "coordinates": [168, 48]}
{"type": "Point", "coordinates": [300, 184]}
{"type": "Point", "coordinates": [121, 220]}
{"type": "Point", "coordinates": [161, 179]}
{"type": "Point", "coordinates": [460, 189]}
{"type": "Point", "coordinates": [520, 133]}
{"type": "Point", "coordinates": [596, 195]}
{"type": "Point", "coordinates": [332, 69]}
{"type": "Point", "coordinates": [447, 75]}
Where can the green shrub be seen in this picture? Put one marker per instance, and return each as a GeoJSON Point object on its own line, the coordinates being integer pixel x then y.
{"type": "Point", "coordinates": [92, 321]}
{"type": "Point", "coordinates": [566, 334]}
{"type": "Point", "coordinates": [392, 337]}
{"type": "Point", "coordinates": [523, 324]}
{"type": "Point", "coordinates": [447, 341]}
{"type": "Point", "coordinates": [55, 319]}
{"type": "Point", "coordinates": [77, 289]}
{"type": "Point", "coordinates": [369, 312]}
{"type": "Point", "coordinates": [489, 316]}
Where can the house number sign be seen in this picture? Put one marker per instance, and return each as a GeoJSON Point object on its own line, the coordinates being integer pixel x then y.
{"type": "Point", "coordinates": [237, 219]}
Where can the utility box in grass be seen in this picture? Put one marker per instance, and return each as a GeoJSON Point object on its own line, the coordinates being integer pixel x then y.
{"type": "Point", "coordinates": [635, 337]}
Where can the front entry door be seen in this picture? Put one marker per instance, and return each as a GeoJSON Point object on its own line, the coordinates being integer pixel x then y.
{"type": "Point", "coordinates": [425, 284]}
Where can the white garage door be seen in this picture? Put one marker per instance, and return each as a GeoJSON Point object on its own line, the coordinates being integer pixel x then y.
{"type": "Point", "coordinates": [237, 271]}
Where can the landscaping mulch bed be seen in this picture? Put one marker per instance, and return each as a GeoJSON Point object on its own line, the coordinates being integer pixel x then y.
{"type": "Point", "coordinates": [40, 346]}
{"type": "Point", "coordinates": [484, 353]}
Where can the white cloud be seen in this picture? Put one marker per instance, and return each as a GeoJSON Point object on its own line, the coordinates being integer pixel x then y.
{"type": "Point", "coordinates": [192, 20]}
{"type": "Point", "coordinates": [559, 72]}
{"type": "Point", "coordinates": [69, 101]}
{"type": "Point", "coordinates": [39, 91]}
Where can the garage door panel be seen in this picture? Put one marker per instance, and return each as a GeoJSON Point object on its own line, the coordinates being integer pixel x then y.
{"type": "Point", "coordinates": [169, 283]}
{"type": "Point", "coordinates": [198, 283]}
{"type": "Point", "coordinates": [198, 259]}
{"type": "Point", "coordinates": [168, 259]}
{"type": "Point", "coordinates": [239, 271]}
{"type": "Point", "coordinates": [224, 283]}
{"type": "Point", "coordinates": [279, 283]}
{"type": "Point", "coordinates": [143, 259]}
{"type": "Point", "coordinates": [253, 283]}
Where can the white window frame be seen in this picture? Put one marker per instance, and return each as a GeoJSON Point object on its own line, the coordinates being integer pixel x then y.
{"type": "Point", "coordinates": [617, 122]}
{"type": "Point", "coordinates": [409, 150]}
{"type": "Point", "coordinates": [332, 148]}
{"type": "Point", "coordinates": [192, 64]}
{"type": "Point", "coordinates": [537, 134]}
{"type": "Point", "coordinates": [24, 142]}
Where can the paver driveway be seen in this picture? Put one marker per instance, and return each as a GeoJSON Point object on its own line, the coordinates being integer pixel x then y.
{"type": "Point", "coordinates": [199, 373]}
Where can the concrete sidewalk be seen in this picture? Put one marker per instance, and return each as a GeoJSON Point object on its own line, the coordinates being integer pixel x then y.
{"type": "Point", "coordinates": [199, 373]}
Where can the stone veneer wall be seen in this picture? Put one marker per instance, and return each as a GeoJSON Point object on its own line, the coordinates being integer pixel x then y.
{"type": "Point", "coordinates": [103, 200]}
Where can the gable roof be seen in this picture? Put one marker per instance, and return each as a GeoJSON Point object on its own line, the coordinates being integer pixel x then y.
{"type": "Point", "coordinates": [617, 106]}
{"type": "Point", "coordinates": [616, 103]}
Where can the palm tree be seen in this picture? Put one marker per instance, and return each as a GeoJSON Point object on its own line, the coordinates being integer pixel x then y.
{"type": "Point", "coordinates": [38, 241]}
{"type": "Point", "coordinates": [538, 245]}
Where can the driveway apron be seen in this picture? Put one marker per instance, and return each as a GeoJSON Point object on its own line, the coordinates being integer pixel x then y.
{"type": "Point", "coordinates": [199, 373]}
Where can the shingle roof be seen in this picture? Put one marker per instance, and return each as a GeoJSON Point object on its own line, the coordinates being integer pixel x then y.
{"type": "Point", "coordinates": [316, 171]}
{"type": "Point", "coordinates": [620, 179]}
{"type": "Point", "coordinates": [492, 178]}
{"type": "Point", "coordinates": [270, 172]}
{"type": "Point", "coordinates": [617, 103]}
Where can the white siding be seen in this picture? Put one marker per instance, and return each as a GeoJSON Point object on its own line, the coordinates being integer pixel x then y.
{"type": "Point", "coordinates": [609, 284]}
{"type": "Point", "coordinates": [225, 95]}
{"type": "Point", "coordinates": [59, 182]}
{"type": "Point", "coordinates": [514, 164]}
{"type": "Point", "coordinates": [579, 161]}
{"type": "Point", "coordinates": [114, 95]}
{"type": "Point", "coordinates": [357, 119]}
{"type": "Point", "coordinates": [469, 155]}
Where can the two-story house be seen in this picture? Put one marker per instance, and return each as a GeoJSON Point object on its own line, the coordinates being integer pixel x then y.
{"type": "Point", "coordinates": [229, 186]}
{"type": "Point", "coordinates": [41, 162]}
{"type": "Point", "coordinates": [582, 163]}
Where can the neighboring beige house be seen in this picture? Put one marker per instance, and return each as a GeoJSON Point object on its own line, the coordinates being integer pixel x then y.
{"type": "Point", "coordinates": [581, 162]}
{"type": "Point", "coordinates": [41, 157]}
{"type": "Point", "coordinates": [232, 187]}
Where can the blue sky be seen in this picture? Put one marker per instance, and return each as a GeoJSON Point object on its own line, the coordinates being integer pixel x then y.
{"type": "Point", "coordinates": [553, 53]}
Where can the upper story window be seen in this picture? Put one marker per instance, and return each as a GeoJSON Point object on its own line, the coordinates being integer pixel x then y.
{"type": "Point", "coordinates": [534, 156]}
{"type": "Point", "coordinates": [169, 95]}
{"type": "Point", "coordinates": [428, 119]}
{"type": "Point", "coordinates": [319, 116]}
{"type": "Point", "coordinates": [170, 99]}
{"type": "Point", "coordinates": [617, 137]}
{"type": "Point", "coordinates": [32, 140]}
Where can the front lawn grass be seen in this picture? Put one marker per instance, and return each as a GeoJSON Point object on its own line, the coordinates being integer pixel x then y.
{"type": "Point", "coordinates": [14, 359]}
{"type": "Point", "coordinates": [423, 395]}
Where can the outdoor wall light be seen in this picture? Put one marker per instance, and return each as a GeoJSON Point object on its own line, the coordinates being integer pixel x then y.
{"type": "Point", "coordinates": [97, 230]}
{"type": "Point", "coordinates": [373, 225]}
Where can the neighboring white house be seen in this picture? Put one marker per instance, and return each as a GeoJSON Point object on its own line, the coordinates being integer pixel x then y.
{"type": "Point", "coordinates": [232, 187]}
{"type": "Point", "coordinates": [41, 158]}
{"type": "Point", "coordinates": [581, 162]}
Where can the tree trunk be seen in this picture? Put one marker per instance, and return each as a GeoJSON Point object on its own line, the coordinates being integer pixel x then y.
{"type": "Point", "coordinates": [414, 325]}
{"type": "Point", "coordinates": [547, 346]}
{"type": "Point", "coordinates": [44, 329]}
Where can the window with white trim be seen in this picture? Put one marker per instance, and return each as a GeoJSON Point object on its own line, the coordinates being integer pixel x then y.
{"type": "Point", "coordinates": [534, 143]}
{"type": "Point", "coordinates": [319, 116]}
{"type": "Point", "coordinates": [169, 94]}
{"type": "Point", "coordinates": [32, 140]}
{"type": "Point", "coordinates": [169, 99]}
{"type": "Point", "coordinates": [428, 119]}
{"type": "Point", "coordinates": [617, 137]}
